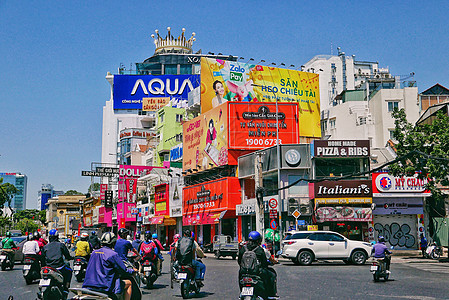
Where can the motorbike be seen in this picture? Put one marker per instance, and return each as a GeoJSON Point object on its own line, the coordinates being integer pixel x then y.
{"type": "Point", "coordinates": [31, 269]}
{"type": "Point", "coordinates": [379, 269]}
{"type": "Point", "coordinates": [5, 261]}
{"type": "Point", "coordinates": [252, 288]}
{"type": "Point", "coordinates": [83, 293]}
{"type": "Point", "coordinates": [148, 275]}
{"type": "Point", "coordinates": [79, 268]}
{"type": "Point", "coordinates": [434, 251]}
{"type": "Point", "coordinates": [51, 286]}
{"type": "Point", "coordinates": [186, 277]}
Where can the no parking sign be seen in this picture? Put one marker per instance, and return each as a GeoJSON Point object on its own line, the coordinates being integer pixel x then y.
{"type": "Point", "coordinates": [273, 224]}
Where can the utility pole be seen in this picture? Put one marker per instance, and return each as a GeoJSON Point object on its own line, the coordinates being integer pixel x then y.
{"type": "Point", "coordinates": [260, 214]}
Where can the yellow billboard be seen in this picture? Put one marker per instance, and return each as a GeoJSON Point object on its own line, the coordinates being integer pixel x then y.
{"type": "Point", "coordinates": [223, 81]}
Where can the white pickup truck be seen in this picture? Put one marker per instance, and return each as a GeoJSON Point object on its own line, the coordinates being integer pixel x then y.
{"type": "Point", "coordinates": [224, 246]}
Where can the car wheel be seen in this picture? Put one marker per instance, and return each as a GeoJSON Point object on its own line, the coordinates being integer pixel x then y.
{"type": "Point", "coordinates": [305, 257]}
{"type": "Point", "coordinates": [358, 257]}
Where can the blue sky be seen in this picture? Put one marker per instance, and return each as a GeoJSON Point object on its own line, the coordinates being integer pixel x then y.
{"type": "Point", "coordinates": [55, 54]}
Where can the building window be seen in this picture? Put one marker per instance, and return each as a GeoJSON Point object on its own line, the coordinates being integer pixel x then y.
{"type": "Point", "coordinates": [161, 116]}
{"type": "Point", "coordinates": [362, 120]}
{"type": "Point", "coordinates": [178, 118]}
{"type": "Point", "coordinates": [171, 69]}
{"type": "Point", "coordinates": [392, 105]}
{"type": "Point", "coordinates": [391, 133]}
{"type": "Point", "coordinates": [324, 125]}
{"type": "Point", "coordinates": [179, 137]}
{"type": "Point", "coordinates": [332, 123]}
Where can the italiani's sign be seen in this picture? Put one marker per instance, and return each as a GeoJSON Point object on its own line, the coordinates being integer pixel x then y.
{"type": "Point", "coordinates": [343, 189]}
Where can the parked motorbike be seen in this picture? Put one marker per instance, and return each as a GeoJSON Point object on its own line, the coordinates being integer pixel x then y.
{"type": "Point", "coordinates": [148, 275]}
{"type": "Point", "coordinates": [51, 286]}
{"type": "Point", "coordinates": [379, 269]}
{"type": "Point", "coordinates": [5, 261]}
{"type": "Point", "coordinates": [252, 288]}
{"type": "Point", "coordinates": [82, 293]}
{"type": "Point", "coordinates": [31, 269]}
{"type": "Point", "coordinates": [186, 277]}
{"type": "Point", "coordinates": [79, 268]}
{"type": "Point", "coordinates": [433, 251]}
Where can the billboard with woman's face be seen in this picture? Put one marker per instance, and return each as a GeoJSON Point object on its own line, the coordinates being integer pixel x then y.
{"type": "Point", "coordinates": [223, 81]}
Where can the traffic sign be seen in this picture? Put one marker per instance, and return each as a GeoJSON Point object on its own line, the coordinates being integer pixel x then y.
{"type": "Point", "coordinates": [273, 203]}
{"type": "Point", "coordinates": [273, 224]}
{"type": "Point", "coordinates": [296, 214]}
{"type": "Point", "coordinates": [273, 213]}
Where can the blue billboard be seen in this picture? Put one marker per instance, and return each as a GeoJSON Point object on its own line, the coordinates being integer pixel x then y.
{"type": "Point", "coordinates": [129, 90]}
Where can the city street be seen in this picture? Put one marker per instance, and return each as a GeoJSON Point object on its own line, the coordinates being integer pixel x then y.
{"type": "Point", "coordinates": [410, 279]}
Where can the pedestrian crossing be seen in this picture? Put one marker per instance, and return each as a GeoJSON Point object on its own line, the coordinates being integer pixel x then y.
{"type": "Point", "coordinates": [431, 267]}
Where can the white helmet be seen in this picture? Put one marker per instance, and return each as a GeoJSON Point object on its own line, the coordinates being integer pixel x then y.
{"type": "Point", "coordinates": [108, 239]}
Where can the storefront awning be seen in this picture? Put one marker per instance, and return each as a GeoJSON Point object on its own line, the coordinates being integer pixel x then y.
{"type": "Point", "coordinates": [169, 221]}
{"type": "Point", "coordinates": [207, 217]}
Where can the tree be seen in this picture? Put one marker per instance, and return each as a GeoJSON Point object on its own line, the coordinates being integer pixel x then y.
{"type": "Point", "coordinates": [32, 214]}
{"type": "Point", "coordinates": [93, 187]}
{"type": "Point", "coordinates": [43, 216]}
{"type": "Point", "coordinates": [27, 225]}
{"type": "Point", "coordinates": [73, 193]}
{"type": "Point", "coordinates": [423, 149]}
{"type": "Point", "coordinates": [7, 192]}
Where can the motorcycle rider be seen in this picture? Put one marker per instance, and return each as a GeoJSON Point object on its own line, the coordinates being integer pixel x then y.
{"type": "Point", "coordinates": [267, 274]}
{"type": "Point", "coordinates": [31, 248]}
{"type": "Point", "coordinates": [136, 242]}
{"type": "Point", "coordinates": [148, 248]}
{"type": "Point", "coordinates": [172, 246]}
{"type": "Point", "coordinates": [94, 241]}
{"type": "Point", "coordinates": [54, 253]}
{"type": "Point", "coordinates": [122, 246]}
{"type": "Point", "coordinates": [83, 247]}
{"type": "Point", "coordinates": [160, 258]}
{"type": "Point", "coordinates": [200, 268]}
{"type": "Point", "coordinates": [8, 246]}
{"type": "Point", "coordinates": [41, 242]}
{"type": "Point", "coordinates": [380, 250]}
{"type": "Point", "coordinates": [104, 268]}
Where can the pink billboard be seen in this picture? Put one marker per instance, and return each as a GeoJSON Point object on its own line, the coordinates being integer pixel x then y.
{"type": "Point", "coordinates": [128, 216]}
{"type": "Point", "coordinates": [105, 216]}
{"type": "Point", "coordinates": [128, 176]}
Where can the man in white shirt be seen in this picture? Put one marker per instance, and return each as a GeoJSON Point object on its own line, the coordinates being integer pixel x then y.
{"type": "Point", "coordinates": [31, 248]}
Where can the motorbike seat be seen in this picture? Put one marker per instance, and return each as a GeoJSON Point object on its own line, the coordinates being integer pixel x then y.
{"type": "Point", "coordinates": [84, 291]}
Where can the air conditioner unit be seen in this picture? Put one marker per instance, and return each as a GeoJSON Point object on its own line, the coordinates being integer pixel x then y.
{"type": "Point", "coordinates": [293, 205]}
{"type": "Point", "coordinates": [306, 209]}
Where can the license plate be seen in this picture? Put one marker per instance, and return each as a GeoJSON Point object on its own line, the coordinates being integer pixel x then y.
{"type": "Point", "coordinates": [44, 282]}
{"type": "Point", "coordinates": [182, 276]}
{"type": "Point", "coordinates": [247, 291]}
{"type": "Point", "coordinates": [2, 257]}
{"type": "Point", "coordinates": [27, 267]}
{"type": "Point", "coordinates": [77, 268]}
{"type": "Point", "coordinates": [373, 268]}
{"type": "Point", "coordinates": [147, 269]}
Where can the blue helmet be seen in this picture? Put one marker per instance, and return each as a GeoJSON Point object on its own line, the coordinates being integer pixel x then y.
{"type": "Point", "coordinates": [381, 239]}
{"type": "Point", "coordinates": [154, 236]}
{"type": "Point", "coordinates": [254, 236]}
{"type": "Point", "coordinates": [53, 232]}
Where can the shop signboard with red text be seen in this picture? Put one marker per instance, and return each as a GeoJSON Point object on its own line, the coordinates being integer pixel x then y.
{"type": "Point", "coordinates": [386, 185]}
{"type": "Point", "coordinates": [127, 183]}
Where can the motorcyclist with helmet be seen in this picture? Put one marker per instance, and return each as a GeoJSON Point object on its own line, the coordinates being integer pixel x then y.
{"type": "Point", "coordinates": [104, 268]}
{"type": "Point", "coordinates": [8, 246]}
{"type": "Point", "coordinates": [82, 247]}
{"type": "Point", "coordinates": [381, 251]}
{"type": "Point", "coordinates": [136, 242]}
{"type": "Point", "coordinates": [54, 253]}
{"type": "Point", "coordinates": [123, 246]}
{"type": "Point", "coordinates": [94, 241]}
{"type": "Point", "coordinates": [148, 248]}
{"type": "Point", "coordinates": [160, 258]}
{"type": "Point", "coordinates": [31, 248]}
{"type": "Point", "coordinates": [267, 274]}
{"type": "Point", "coordinates": [200, 268]}
{"type": "Point", "coordinates": [41, 242]}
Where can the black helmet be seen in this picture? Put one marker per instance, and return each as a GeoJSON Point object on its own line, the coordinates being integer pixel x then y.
{"type": "Point", "coordinates": [37, 235]}
{"type": "Point", "coordinates": [123, 232]}
{"type": "Point", "coordinates": [381, 239]}
{"type": "Point", "coordinates": [108, 239]}
{"type": "Point", "coordinates": [187, 233]}
{"type": "Point", "coordinates": [147, 235]}
{"type": "Point", "coordinates": [138, 236]}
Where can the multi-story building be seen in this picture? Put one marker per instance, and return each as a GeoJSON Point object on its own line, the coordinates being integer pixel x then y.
{"type": "Point", "coordinates": [19, 180]}
{"type": "Point", "coordinates": [434, 95]}
{"type": "Point", "coordinates": [169, 128]}
{"type": "Point", "coordinates": [47, 191]}
{"type": "Point", "coordinates": [64, 214]}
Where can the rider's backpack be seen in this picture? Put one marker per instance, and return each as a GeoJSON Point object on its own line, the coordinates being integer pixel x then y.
{"type": "Point", "coordinates": [184, 253]}
{"type": "Point", "coordinates": [249, 264]}
{"type": "Point", "coordinates": [148, 250]}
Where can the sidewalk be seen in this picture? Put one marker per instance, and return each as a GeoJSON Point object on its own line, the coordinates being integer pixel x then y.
{"type": "Point", "coordinates": [415, 256]}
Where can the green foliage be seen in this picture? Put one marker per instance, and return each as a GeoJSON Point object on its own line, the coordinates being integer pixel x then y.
{"type": "Point", "coordinates": [7, 192]}
{"type": "Point", "coordinates": [73, 193]}
{"type": "Point", "coordinates": [94, 187]}
{"type": "Point", "coordinates": [27, 225]}
{"type": "Point", "coordinates": [32, 214]}
{"type": "Point", "coordinates": [43, 216]}
{"type": "Point", "coordinates": [425, 149]}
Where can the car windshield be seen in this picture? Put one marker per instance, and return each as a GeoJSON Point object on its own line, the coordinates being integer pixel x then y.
{"type": "Point", "coordinates": [288, 236]}
{"type": "Point", "coordinates": [18, 239]}
{"type": "Point", "coordinates": [300, 236]}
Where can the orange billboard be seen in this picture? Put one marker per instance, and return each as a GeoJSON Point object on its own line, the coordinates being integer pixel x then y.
{"type": "Point", "coordinates": [253, 126]}
{"type": "Point", "coordinates": [205, 203]}
{"type": "Point", "coordinates": [205, 140]}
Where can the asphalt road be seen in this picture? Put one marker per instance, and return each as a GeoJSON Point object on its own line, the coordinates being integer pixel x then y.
{"type": "Point", "coordinates": [412, 279]}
